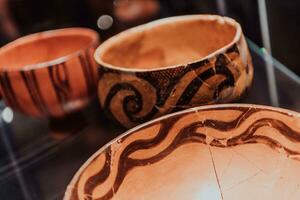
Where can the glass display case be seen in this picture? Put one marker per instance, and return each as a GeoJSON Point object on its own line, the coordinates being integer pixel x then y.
{"type": "Point", "coordinates": [39, 157]}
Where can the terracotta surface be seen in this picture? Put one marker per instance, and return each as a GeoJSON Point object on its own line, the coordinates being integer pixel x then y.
{"type": "Point", "coordinates": [51, 73]}
{"type": "Point", "coordinates": [212, 152]}
{"type": "Point", "coordinates": [170, 64]}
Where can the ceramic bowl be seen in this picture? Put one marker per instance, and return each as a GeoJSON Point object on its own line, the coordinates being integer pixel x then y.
{"type": "Point", "coordinates": [51, 73]}
{"type": "Point", "coordinates": [171, 64]}
{"type": "Point", "coordinates": [228, 152]}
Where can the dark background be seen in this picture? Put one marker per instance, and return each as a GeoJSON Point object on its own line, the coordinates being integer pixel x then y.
{"type": "Point", "coordinates": [21, 17]}
{"type": "Point", "coordinates": [45, 159]}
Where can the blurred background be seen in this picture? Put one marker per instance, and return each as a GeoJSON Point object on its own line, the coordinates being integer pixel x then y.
{"type": "Point", "coordinates": [108, 17]}
{"type": "Point", "coordinates": [38, 158]}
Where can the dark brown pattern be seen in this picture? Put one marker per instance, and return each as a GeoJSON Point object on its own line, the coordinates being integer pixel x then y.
{"type": "Point", "coordinates": [47, 89]}
{"type": "Point", "coordinates": [165, 82]}
{"type": "Point", "coordinates": [33, 88]}
{"type": "Point", "coordinates": [193, 87]}
{"type": "Point", "coordinates": [8, 91]}
{"type": "Point", "coordinates": [59, 75]}
{"type": "Point", "coordinates": [189, 134]}
{"type": "Point", "coordinates": [59, 79]}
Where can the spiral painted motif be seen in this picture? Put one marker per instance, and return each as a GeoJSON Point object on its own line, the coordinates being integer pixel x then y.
{"type": "Point", "coordinates": [133, 98]}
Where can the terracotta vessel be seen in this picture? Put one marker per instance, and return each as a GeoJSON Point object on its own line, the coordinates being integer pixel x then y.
{"type": "Point", "coordinates": [51, 73]}
{"type": "Point", "coordinates": [228, 152]}
{"type": "Point", "coordinates": [170, 64]}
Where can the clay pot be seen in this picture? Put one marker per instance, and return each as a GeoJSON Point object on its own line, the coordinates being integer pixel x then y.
{"type": "Point", "coordinates": [225, 152]}
{"type": "Point", "coordinates": [52, 73]}
{"type": "Point", "coordinates": [170, 64]}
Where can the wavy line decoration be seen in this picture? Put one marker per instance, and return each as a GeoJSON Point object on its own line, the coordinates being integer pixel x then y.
{"type": "Point", "coordinates": [225, 127]}
{"type": "Point", "coordinates": [59, 78]}
{"type": "Point", "coordinates": [133, 98]}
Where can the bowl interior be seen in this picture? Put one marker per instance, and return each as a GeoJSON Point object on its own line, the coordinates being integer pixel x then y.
{"type": "Point", "coordinates": [168, 43]}
{"type": "Point", "coordinates": [216, 152]}
{"type": "Point", "coordinates": [43, 47]}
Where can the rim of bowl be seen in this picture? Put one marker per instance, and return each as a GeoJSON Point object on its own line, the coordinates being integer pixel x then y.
{"type": "Point", "coordinates": [48, 34]}
{"type": "Point", "coordinates": [120, 36]}
{"type": "Point", "coordinates": [71, 184]}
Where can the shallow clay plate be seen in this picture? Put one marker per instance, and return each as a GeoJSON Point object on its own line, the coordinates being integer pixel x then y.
{"type": "Point", "coordinates": [212, 152]}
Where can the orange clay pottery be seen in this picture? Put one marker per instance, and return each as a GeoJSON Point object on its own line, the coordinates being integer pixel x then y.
{"type": "Point", "coordinates": [171, 64]}
{"type": "Point", "coordinates": [50, 73]}
{"type": "Point", "coordinates": [216, 152]}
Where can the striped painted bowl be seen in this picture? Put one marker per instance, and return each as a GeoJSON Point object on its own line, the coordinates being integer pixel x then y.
{"type": "Point", "coordinates": [50, 73]}
{"type": "Point", "coordinates": [171, 64]}
{"type": "Point", "coordinates": [229, 152]}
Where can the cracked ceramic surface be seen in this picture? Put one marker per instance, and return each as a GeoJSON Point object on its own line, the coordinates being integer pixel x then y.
{"type": "Point", "coordinates": [51, 73]}
{"type": "Point", "coordinates": [171, 64]}
{"type": "Point", "coordinates": [233, 151]}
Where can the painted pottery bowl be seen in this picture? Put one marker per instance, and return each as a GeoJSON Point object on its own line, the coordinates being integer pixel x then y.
{"type": "Point", "coordinates": [229, 152]}
{"type": "Point", "coordinates": [171, 64]}
{"type": "Point", "coordinates": [51, 73]}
